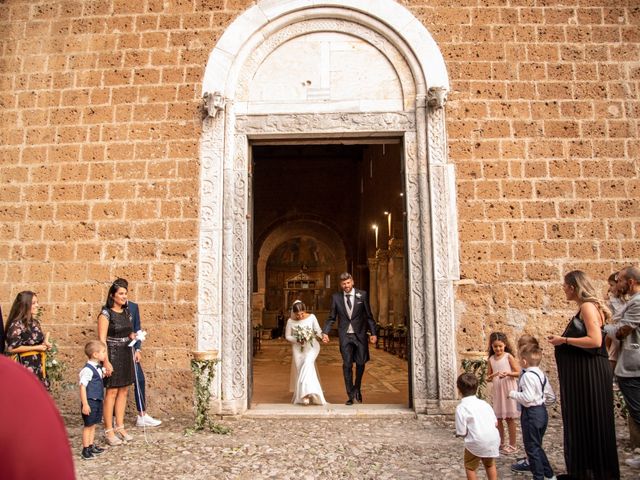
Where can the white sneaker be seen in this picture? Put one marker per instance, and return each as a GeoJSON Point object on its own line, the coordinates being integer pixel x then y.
{"type": "Point", "coordinates": [633, 462]}
{"type": "Point", "coordinates": [147, 421]}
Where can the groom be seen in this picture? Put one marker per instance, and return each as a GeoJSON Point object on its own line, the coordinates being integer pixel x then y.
{"type": "Point", "coordinates": [352, 308]}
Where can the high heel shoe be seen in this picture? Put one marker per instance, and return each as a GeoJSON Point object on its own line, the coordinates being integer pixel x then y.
{"type": "Point", "coordinates": [112, 440]}
{"type": "Point", "coordinates": [122, 433]}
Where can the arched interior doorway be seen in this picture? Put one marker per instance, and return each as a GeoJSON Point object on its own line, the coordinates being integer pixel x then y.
{"type": "Point", "coordinates": [335, 70]}
{"type": "Point", "coordinates": [288, 246]}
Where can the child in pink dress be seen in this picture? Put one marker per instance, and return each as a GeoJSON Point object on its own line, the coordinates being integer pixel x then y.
{"type": "Point", "coordinates": [503, 370]}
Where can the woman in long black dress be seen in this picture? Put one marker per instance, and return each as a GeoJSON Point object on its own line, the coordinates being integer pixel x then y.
{"type": "Point", "coordinates": [586, 390]}
{"type": "Point", "coordinates": [115, 328]}
{"type": "Point", "coordinates": [26, 342]}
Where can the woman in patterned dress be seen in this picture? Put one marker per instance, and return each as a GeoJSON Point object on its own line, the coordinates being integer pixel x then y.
{"type": "Point", "coordinates": [26, 343]}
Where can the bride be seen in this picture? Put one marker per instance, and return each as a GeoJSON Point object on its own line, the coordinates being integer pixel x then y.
{"type": "Point", "coordinates": [304, 377]}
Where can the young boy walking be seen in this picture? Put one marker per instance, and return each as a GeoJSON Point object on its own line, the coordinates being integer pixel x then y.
{"type": "Point", "coordinates": [534, 393]}
{"type": "Point", "coordinates": [92, 395]}
{"type": "Point", "coordinates": [477, 423]}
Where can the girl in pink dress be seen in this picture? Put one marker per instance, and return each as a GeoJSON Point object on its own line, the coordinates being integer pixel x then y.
{"type": "Point", "coordinates": [503, 370]}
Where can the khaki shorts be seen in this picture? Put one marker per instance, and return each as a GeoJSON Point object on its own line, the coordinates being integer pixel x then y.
{"type": "Point", "coordinates": [471, 462]}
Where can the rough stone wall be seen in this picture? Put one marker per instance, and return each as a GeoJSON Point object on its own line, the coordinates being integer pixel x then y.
{"type": "Point", "coordinates": [99, 134]}
{"type": "Point", "coordinates": [543, 131]}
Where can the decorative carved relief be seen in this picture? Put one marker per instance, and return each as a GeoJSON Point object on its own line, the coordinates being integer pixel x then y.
{"type": "Point", "coordinates": [326, 123]}
{"type": "Point", "coordinates": [437, 137]}
{"type": "Point", "coordinates": [416, 285]}
{"type": "Point", "coordinates": [442, 220]}
{"type": "Point", "coordinates": [437, 97]}
{"type": "Point", "coordinates": [213, 103]}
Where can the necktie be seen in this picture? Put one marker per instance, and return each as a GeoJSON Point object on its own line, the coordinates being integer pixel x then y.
{"type": "Point", "coordinates": [349, 301]}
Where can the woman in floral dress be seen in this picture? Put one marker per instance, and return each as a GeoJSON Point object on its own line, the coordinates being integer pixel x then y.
{"type": "Point", "coordinates": [26, 342]}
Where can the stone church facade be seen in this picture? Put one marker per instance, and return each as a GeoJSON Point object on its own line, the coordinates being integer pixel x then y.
{"type": "Point", "coordinates": [130, 129]}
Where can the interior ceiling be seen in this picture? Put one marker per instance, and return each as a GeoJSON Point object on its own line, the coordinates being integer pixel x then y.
{"type": "Point", "coordinates": [307, 181]}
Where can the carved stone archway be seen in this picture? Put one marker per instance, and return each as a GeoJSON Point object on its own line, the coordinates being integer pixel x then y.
{"type": "Point", "coordinates": [400, 45]}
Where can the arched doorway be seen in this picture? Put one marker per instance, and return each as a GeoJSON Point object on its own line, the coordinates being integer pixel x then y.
{"type": "Point", "coordinates": [293, 245]}
{"type": "Point", "coordinates": [251, 98]}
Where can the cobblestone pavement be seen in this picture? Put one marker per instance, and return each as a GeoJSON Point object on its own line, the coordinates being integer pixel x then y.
{"type": "Point", "coordinates": [302, 448]}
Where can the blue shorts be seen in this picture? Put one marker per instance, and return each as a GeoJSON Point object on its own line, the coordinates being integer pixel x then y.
{"type": "Point", "coordinates": [95, 416]}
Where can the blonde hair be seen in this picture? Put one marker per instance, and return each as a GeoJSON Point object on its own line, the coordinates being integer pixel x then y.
{"type": "Point", "coordinates": [532, 353]}
{"type": "Point", "coordinates": [586, 292]}
{"type": "Point", "coordinates": [527, 339]}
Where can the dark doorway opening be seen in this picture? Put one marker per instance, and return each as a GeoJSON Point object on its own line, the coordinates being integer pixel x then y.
{"type": "Point", "coordinates": [320, 209]}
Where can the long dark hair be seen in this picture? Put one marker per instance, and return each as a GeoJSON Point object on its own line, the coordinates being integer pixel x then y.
{"type": "Point", "coordinates": [21, 310]}
{"type": "Point", "coordinates": [115, 286]}
{"type": "Point", "coordinates": [501, 337]}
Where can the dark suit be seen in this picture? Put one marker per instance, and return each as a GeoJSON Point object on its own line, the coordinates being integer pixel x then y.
{"type": "Point", "coordinates": [353, 347]}
{"type": "Point", "coordinates": [140, 380]}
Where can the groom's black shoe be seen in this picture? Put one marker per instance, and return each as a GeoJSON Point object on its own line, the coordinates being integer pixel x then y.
{"type": "Point", "coordinates": [349, 401]}
{"type": "Point", "coordinates": [358, 396]}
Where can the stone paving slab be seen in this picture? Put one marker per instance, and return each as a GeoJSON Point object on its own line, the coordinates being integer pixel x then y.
{"type": "Point", "coordinates": [359, 447]}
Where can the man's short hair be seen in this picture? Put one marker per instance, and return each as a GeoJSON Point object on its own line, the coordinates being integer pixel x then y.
{"type": "Point", "coordinates": [532, 353]}
{"type": "Point", "coordinates": [467, 384]}
{"type": "Point", "coordinates": [92, 347]}
{"type": "Point", "coordinates": [345, 276]}
{"type": "Point", "coordinates": [631, 272]}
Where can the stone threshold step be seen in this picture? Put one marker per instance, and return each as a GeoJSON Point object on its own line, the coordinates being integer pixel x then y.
{"type": "Point", "coordinates": [261, 410]}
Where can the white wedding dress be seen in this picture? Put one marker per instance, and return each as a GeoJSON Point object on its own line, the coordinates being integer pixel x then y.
{"type": "Point", "coordinates": [304, 376]}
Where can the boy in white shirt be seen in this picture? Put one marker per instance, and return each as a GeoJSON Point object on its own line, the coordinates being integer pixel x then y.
{"type": "Point", "coordinates": [533, 395]}
{"type": "Point", "coordinates": [91, 396]}
{"type": "Point", "coordinates": [477, 423]}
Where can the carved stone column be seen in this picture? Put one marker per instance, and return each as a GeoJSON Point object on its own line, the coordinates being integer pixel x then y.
{"type": "Point", "coordinates": [210, 316]}
{"type": "Point", "coordinates": [397, 283]}
{"type": "Point", "coordinates": [383, 286]}
{"type": "Point", "coordinates": [445, 243]}
{"type": "Point", "coordinates": [373, 287]}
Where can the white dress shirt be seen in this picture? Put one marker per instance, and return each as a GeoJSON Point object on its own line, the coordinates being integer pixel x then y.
{"type": "Point", "coordinates": [86, 374]}
{"type": "Point", "coordinates": [531, 392]}
{"type": "Point", "coordinates": [476, 422]}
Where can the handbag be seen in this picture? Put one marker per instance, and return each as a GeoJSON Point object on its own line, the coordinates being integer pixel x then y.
{"type": "Point", "coordinates": [577, 329]}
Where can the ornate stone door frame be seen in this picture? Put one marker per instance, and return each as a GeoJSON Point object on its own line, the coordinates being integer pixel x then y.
{"type": "Point", "coordinates": [224, 263]}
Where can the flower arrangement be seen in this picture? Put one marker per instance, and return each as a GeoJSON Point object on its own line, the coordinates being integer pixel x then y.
{"type": "Point", "coordinates": [203, 369]}
{"type": "Point", "coordinates": [53, 367]}
{"type": "Point", "coordinates": [303, 334]}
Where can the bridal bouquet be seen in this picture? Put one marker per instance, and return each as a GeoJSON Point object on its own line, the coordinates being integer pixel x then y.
{"type": "Point", "coordinates": [303, 335]}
